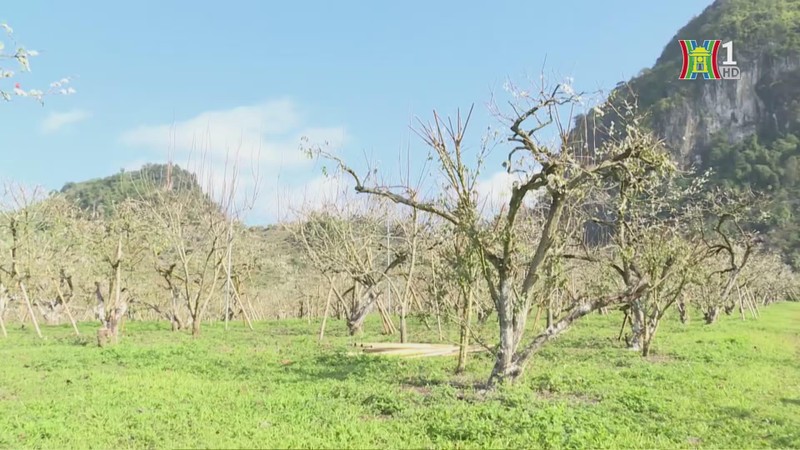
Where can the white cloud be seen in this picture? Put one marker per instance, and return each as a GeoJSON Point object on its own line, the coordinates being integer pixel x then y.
{"type": "Point", "coordinates": [269, 132]}
{"type": "Point", "coordinates": [495, 192]}
{"type": "Point", "coordinates": [263, 140]}
{"type": "Point", "coordinates": [290, 201]}
{"type": "Point", "coordinates": [55, 121]}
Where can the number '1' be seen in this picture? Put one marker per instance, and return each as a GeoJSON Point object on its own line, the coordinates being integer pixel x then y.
{"type": "Point", "coordinates": [728, 46]}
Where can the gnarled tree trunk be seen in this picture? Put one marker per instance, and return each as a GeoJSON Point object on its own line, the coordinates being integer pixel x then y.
{"type": "Point", "coordinates": [683, 311]}
{"type": "Point", "coordinates": [110, 320]}
{"type": "Point", "coordinates": [355, 322]}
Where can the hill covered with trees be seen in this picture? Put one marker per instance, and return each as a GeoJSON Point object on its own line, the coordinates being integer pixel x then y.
{"type": "Point", "coordinates": [97, 196]}
{"type": "Point", "coordinates": [746, 131]}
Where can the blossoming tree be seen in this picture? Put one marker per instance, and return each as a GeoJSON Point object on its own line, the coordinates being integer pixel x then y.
{"type": "Point", "coordinates": [15, 56]}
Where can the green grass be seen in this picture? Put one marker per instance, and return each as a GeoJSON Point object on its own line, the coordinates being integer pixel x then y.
{"type": "Point", "coordinates": [732, 385]}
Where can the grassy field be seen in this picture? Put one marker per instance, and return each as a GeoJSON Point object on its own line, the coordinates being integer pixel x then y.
{"type": "Point", "coordinates": [732, 385]}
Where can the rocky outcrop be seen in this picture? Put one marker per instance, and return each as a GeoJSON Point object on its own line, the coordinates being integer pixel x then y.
{"type": "Point", "coordinates": [765, 100]}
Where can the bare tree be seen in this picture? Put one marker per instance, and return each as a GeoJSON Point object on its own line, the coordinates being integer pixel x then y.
{"type": "Point", "coordinates": [409, 242]}
{"type": "Point", "coordinates": [192, 232]}
{"type": "Point", "coordinates": [193, 229]}
{"type": "Point", "coordinates": [119, 244]}
{"type": "Point", "coordinates": [465, 266]}
{"type": "Point", "coordinates": [59, 245]}
{"type": "Point", "coordinates": [731, 243]}
{"type": "Point", "coordinates": [512, 275]}
{"type": "Point", "coordinates": [21, 211]}
{"type": "Point", "coordinates": [647, 214]}
{"type": "Point", "coordinates": [766, 279]}
{"type": "Point", "coordinates": [348, 246]}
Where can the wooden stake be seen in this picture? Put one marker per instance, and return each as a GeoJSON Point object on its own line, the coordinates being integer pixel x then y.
{"type": "Point", "coordinates": [66, 309]}
{"type": "Point", "coordinates": [622, 328]}
{"type": "Point", "coordinates": [387, 320]}
{"type": "Point", "coordinates": [753, 301]}
{"type": "Point", "coordinates": [30, 309]}
{"type": "Point", "coordinates": [245, 316]}
{"type": "Point", "coordinates": [256, 315]}
{"type": "Point", "coordinates": [325, 314]}
{"type": "Point", "coordinates": [463, 346]}
{"type": "Point", "coordinates": [741, 302]}
{"type": "Point", "coordinates": [3, 325]}
{"type": "Point", "coordinates": [439, 322]}
{"type": "Point", "coordinates": [3, 302]}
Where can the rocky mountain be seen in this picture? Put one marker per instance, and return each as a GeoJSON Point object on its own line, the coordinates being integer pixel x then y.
{"type": "Point", "coordinates": [747, 131]}
{"type": "Point", "coordinates": [764, 102]}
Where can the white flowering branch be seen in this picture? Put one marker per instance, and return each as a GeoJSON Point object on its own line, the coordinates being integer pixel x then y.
{"type": "Point", "coordinates": [22, 57]}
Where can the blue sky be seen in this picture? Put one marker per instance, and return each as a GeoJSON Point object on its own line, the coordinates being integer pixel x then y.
{"type": "Point", "coordinates": [351, 72]}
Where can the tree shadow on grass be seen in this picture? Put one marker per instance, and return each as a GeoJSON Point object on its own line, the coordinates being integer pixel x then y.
{"type": "Point", "coordinates": [340, 366]}
{"type": "Point", "coordinates": [459, 387]}
{"type": "Point", "coordinates": [791, 401]}
{"type": "Point", "coordinates": [593, 343]}
{"type": "Point", "coordinates": [458, 383]}
{"type": "Point", "coordinates": [738, 413]}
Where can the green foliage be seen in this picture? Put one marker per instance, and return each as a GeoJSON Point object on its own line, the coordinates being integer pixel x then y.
{"type": "Point", "coordinates": [758, 28]}
{"type": "Point", "coordinates": [764, 32]}
{"type": "Point", "coordinates": [99, 195]}
{"type": "Point", "coordinates": [772, 167]}
{"type": "Point", "coordinates": [756, 25]}
{"type": "Point", "coordinates": [733, 385]}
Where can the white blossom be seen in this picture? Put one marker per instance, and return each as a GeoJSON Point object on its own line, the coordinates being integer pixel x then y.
{"type": "Point", "coordinates": [566, 86]}
{"type": "Point", "coordinates": [23, 55]}
{"type": "Point", "coordinates": [23, 60]}
{"type": "Point", "coordinates": [59, 83]}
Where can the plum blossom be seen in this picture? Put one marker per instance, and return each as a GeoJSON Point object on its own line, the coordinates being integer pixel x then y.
{"type": "Point", "coordinates": [22, 56]}
{"type": "Point", "coordinates": [567, 86]}
{"type": "Point", "coordinates": [59, 83]}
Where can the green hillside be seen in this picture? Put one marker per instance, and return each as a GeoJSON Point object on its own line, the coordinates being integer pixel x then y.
{"type": "Point", "coordinates": [760, 29]}
{"type": "Point", "coordinates": [98, 195]}
{"type": "Point", "coordinates": [747, 131]}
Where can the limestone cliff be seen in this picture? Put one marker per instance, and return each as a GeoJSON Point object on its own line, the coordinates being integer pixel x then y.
{"type": "Point", "coordinates": [747, 131]}
{"type": "Point", "coordinates": [765, 101]}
